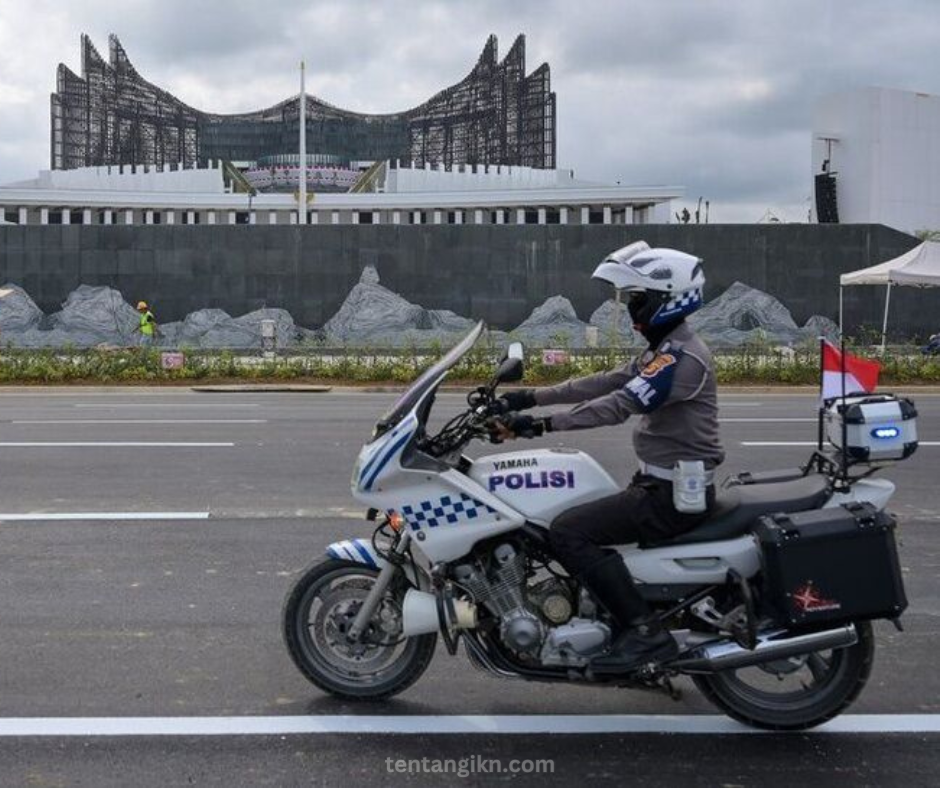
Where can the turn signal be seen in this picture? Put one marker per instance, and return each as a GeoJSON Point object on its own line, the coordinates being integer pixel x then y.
{"type": "Point", "coordinates": [396, 521]}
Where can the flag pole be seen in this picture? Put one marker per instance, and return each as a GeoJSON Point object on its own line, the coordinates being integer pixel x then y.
{"type": "Point", "coordinates": [845, 428]}
{"type": "Point", "coordinates": [822, 398]}
{"type": "Point", "coordinates": [302, 127]}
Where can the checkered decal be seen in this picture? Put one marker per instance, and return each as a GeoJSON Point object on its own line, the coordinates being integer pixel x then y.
{"type": "Point", "coordinates": [688, 298]}
{"type": "Point", "coordinates": [682, 304]}
{"type": "Point", "coordinates": [446, 510]}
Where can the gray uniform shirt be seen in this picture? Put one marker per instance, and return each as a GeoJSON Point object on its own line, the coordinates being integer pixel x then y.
{"type": "Point", "coordinates": [672, 387]}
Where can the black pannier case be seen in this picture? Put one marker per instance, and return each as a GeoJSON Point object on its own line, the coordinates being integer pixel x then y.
{"type": "Point", "coordinates": [832, 565]}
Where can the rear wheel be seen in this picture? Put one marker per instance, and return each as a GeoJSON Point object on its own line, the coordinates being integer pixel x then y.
{"type": "Point", "coordinates": [796, 693]}
{"type": "Point", "coordinates": [318, 612]}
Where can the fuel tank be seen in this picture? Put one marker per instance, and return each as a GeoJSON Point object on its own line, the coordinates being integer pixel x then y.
{"type": "Point", "coordinates": [542, 483]}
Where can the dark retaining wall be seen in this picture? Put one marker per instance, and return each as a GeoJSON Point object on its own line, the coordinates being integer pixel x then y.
{"type": "Point", "coordinates": [499, 273]}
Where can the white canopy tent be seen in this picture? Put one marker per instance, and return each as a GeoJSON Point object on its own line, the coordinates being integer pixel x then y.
{"type": "Point", "coordinates": [919, 267]}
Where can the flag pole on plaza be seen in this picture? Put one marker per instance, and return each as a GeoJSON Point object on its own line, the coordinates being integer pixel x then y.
{"type": "Point", "coordinates": [302, 193]}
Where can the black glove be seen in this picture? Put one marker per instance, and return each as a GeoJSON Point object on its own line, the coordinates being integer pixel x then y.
{"type": "Point", "coordinates": [523, 426]}
{"type": "Point", "coordinates": [522, 399]}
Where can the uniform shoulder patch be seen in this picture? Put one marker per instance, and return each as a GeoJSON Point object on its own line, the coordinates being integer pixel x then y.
{"type": "Point", "coordinates": [650, 389]}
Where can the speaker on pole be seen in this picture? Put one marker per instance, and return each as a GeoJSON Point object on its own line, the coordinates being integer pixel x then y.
{"type": "Point", "coordinates": [827, 208]}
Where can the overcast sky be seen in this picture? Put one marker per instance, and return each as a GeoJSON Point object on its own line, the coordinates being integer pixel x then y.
{"type": "Point", "coordinates": [713, 96]}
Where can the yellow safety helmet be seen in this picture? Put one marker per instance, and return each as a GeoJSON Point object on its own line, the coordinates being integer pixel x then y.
{"type": "Point", "coordinates": [142, 305]}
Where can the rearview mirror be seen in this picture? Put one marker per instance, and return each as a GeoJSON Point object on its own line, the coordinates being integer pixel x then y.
{"type": "Point", "coordinates": [510, 371]}
{"type": "Point", "coordinates": [514, 350]}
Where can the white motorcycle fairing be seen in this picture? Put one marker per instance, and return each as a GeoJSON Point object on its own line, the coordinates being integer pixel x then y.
{"type": "Point", "coordinates": [540, 484]}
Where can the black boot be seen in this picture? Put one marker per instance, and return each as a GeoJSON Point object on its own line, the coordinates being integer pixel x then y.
{"type": "Point", "coordinates": [639, 637]}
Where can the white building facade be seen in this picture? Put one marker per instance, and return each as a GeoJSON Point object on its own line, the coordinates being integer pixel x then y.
{"type": "Point", "coordinates": [884, 148]}
{"type": "Point", "coordinates": [402, 196]}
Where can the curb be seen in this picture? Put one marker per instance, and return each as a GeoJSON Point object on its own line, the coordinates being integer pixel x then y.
{"type": "Point", "coordinates": [264, 388]}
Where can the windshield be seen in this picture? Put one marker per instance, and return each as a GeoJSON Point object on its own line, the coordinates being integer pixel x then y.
{"type": "Point", "coordinates": [429, 378]}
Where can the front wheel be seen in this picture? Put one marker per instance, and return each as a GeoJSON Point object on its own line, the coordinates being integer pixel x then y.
{"type": "Point", "coordinates": [796, 693]}
{"type": "Point", "coordinates": [318, 612]}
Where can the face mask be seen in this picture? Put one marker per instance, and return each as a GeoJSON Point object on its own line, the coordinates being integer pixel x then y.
{"type": "Point", "coordinates": [639, 307]}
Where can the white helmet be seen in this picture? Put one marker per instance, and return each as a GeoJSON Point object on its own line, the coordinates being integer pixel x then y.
{"type": "Point", "coordinates": [678, 278]}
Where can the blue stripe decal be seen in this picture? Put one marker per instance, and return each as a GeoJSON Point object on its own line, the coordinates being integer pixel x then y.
{"type": "Point", "coordinates": [388, 456]}
{"type": "Point", "coordinates": [369, 464]}
{"type": "Point", "coordinates": [364, 553]}
{"type": "Point", "coordinates": [333, 554]}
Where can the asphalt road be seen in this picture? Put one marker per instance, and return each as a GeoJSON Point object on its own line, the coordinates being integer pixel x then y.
{"type": "Point", "coordinates": [144, 616]}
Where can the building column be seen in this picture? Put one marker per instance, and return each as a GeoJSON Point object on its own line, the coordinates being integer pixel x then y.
{"type": "Point", "coordinates": [66, 216]}
{"type": "Point", "coordinates": [563, 216]}
{"type": "Point", "coordinates": [231, 217]}
{"type": "Point", "coordinates": [396, 217]}
{"type": "Point", "coordinates": [171, 217]}
{"type": "Point", "coordinates": [437, 217]}
{"type": "Point", "coordinates": [44, 216]}
{"type": "Point", "coordinates": [210, 217]}
{"type": "Point", "coordinates": [520, 215]}
{"type": "Point", "coordinates": [293, 218]}
{"type": "Point", "coordinates": [86, 216]}
{"type": "Point", "coordinates": [334, 217]}
{"type": "Point", "coordinates": [23, 216]}
{"type": "Point", "coordinates": [607, 214]}
{"type": "Point", "coordinates": [108, 216]}
{"type": "Point", "coordinates": [313, 217]}
{"type": "Point", "coordinates": [253, 217]}
{"type": "Point", "coordinates": [500, 216]}
{"type": "Point", "coordinates": [628, 214]}
{"type": "Point", "coordinates": [148, 217]}
{"type": "Point", "coordinates": [458, 217]}
{"type": "Point", "coordinates": [543, 216]}
{"type": "Point", "coordinates": [478, 216]}
{"type": "Point", "coordinates": [129, 216]}
{"type": "Point", "coordinates": [585, 215]}
{"type": "Point", "coordinates": [355, 217]}
{"type": "Point", "coordinates": [376, 217]}
{"type": "Point", "coordinates": [416, 217]}
{"type": "Point", "coordinates": [272, 217]}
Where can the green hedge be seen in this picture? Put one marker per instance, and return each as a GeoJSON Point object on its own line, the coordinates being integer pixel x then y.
{"type": "Point", "coordinates": [744, 366]}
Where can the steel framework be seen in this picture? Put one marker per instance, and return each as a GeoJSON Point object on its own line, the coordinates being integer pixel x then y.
{"type": "Point", "coordinates": [111, 116]}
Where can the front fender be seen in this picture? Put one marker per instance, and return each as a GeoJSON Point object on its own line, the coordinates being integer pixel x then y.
{"type": "Point", "coordinates": [361, 551]}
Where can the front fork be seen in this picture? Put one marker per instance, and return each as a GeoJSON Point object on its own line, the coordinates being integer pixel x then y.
{"type": "Point", "coordinates": [374, 598]}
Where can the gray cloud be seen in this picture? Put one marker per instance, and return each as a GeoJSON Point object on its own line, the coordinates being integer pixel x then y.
{"type": "Point", "coordinates": [716, 96]}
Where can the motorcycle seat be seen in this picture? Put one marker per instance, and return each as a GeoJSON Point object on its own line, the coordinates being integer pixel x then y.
{"type": "Point", "coordinates": [737, 508]}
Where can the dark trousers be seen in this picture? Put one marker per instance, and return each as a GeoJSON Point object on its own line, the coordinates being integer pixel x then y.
{"type": "Point", "coordinates": [642, 513]}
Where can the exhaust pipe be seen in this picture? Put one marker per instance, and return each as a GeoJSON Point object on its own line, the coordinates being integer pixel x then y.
{"type": "Point", "coordinates": [728, 655]}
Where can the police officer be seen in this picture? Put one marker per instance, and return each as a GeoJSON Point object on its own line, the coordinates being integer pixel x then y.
{"type": "Point", "coordinates": [671, 389]}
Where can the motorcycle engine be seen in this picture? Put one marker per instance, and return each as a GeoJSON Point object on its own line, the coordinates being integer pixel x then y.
{"type": "Point", "coordinates": [536, 621]}
{"type": "Point", "coordinates": [503, 594]}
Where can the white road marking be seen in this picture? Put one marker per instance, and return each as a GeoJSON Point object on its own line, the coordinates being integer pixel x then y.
{"type": "Point", "coordinates": [166, 405]}
{"type": "Point", "coordinates": [139, 421]}
{"type": "Point", "coordinates": [37, 516]}
{"type": "Point", "coordinates": [109, 444]}
{"type": "Point", "coordinates": [440, 724]}
{"type": "Point", "coordinates": [743, 420]}
{"type": "Point", "coordinates": [812, 443]}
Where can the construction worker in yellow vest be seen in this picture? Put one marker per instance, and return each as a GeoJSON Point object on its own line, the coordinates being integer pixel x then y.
{"type": "Point", "coordinates": [148, 324]}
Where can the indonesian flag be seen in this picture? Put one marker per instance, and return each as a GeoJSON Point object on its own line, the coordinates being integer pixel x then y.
{"type": "Point", "coordinates": [861, 375]}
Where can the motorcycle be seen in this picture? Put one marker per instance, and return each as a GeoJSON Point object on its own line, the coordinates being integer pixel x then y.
{"type": "Point", "coordinates": [460, 552]}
